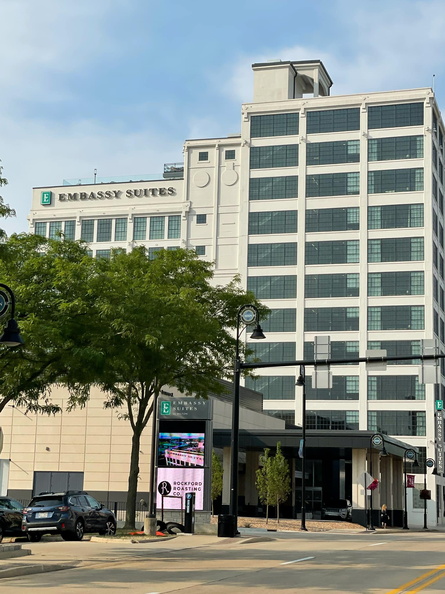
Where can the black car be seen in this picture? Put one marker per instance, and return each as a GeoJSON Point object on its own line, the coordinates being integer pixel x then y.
{"type": "Point", "coordinates": [70, 514]}
{"type": "Point", "coordinates": [11, 514]}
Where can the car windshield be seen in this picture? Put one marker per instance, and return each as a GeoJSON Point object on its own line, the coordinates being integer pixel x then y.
{"type": "Point", "coordinates": [338, 503]}
{"type": "Point", "coordinates": [10, 504]}
{"type": "Point", "coordinates": [46, 502]}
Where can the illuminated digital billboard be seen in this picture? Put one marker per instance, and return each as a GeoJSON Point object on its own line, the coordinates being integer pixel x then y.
{"type": "Point", "coordinates": [181, 449]}
{"type": "Point", "coordinates": [174, 483]}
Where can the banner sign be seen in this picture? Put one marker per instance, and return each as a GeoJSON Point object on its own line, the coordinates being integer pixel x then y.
{"type": "Point", "coordinates": [439, 442]}
{"type": "Point", "coordinates": [410, 478]}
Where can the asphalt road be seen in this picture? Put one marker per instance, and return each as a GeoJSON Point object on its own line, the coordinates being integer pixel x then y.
{"type": "Point", "coordinates": [312, 563]}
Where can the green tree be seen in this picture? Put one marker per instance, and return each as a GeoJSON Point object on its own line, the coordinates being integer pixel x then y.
{"type": "Point", "coordinates": [273, 481]}
{"type": "Point", "coordinates": [263, 481]}
{"type": "Point", "coordinates": [217, 477]}
{"type": "Point", "coordinates": [163, 323]}
{"type": "Point", "coordinates": [5, 209]}
{"type": "Point", "coordinates": [54, 311]}
{"type": "Point", "coordinates": [280, 479]}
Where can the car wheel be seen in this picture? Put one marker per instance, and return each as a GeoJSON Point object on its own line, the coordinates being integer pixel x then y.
{"type": "Point", "coordinates": [110, 528]}
{"type": "Point", "coordinates": [78, 530]}
{"type": "Point", "coordinates": [175, 528]}
{"type": "Point", "coordinates": [1, 533]}
{"type": "Point", "coordinates": [34, 536]}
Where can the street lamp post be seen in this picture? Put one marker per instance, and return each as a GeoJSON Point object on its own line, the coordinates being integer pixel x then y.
{"type": "Point", "coordinates": [150, 523]}
{"type": "Point", "coordinates": [409, 455]}
{"type": "Point", "coordinates": [247, 315]}
{"type": "Point", "coordinates": [301, 381]}
{"type": "Point", "coordinates": [375, 441]}
{"type": "Point", "coordinates": [429, 463]}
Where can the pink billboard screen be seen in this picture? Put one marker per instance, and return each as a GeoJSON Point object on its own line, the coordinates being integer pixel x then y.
{"type": "Point", "coordinates": [181, 450]}
{"type": "Point", "coordinates": [174, 483]}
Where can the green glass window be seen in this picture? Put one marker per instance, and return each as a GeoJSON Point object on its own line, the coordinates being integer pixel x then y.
{"type": "Point", "coordinates": [396, 249]}
{"type": "Point", "coordinates": [332, 184]}
{"type": "Point", "coordinates": [332, 420]}
{"type": "Point", "coordinates": [343, 388]}
{"type": "Point", "coordinates": [273, 188]}
{"type": "Point", "coordinates": [273, 287]}
{"type": "Point", "coordinates": [157, 228]}
{"type": "Point", "coordinates": [398, 348]}
{"type": "Point", "coordinates": [272, 254]}
{"type": "Point", "coordinates": [332, 219]}
{"type": "Point", "coordinates": [55, 229]}
{"type": "Point", "coordinates": [153, 251]}
{"type": "Point", "coordinates": [332, 252]}
{"type": "Point", "coordinates": [396, 317]}
{"type": "Point", "coordinates": [120, 230]}
{"type": "Point", "coordinates": [396, 283]}
{"type": "Point", "coordinates": [276, 387]}
{"type": "Point", "coordinates": [395, 180]}
{"type": "Point", "coordinates": [200, 250]}
{"type": "Point", "coordinates": [402, 147]}
{"type": "Point", "coordinates": [271, 351]}
{"type": "Point", "coordinates": [395, 116]}
{"type": "Point", "coordinates": [395, 387]}
{"type": "Point", "coordinates": [333, 120]}
{"type": "Point", "coordinates": [280, 320]}
{"type": "Point", "coordinates": [104, 230]}
{"type": "Point", "coordinates": [326, 153]}
{"type": "Point", "coordinates": [87, 230]}
{"type": "Point", "coordinates": [324, 319]}
{"type": "Point", "coordinates": [331, 285]}
{"type": "Point", "coordinates": [203, 156]}
{"type": "Point", "coordinates": [201, 219]}
{"type": "Point", "coordinates": [229, 155]}
{"type": "Point", "coordinates": [40, 228]}
{"type": "Point", "coordinates": [395, 216]}
{"type": "Point", "coordinates": [105, 254]}
{"type": "Point", "coordinates": [174, 227]}
{"type": "Point", "coordinates": [70, 230]}
{"type": "Point", "coordinates": [285, 155]}
{"type": "Point", "coordinates": [140, 228]}
{"type": "Point", "coordinates": [282, 221]}
{"type": "Point", "coordinates": [280, 124]}
{"type": "Point", "coordinates": [397, 422]}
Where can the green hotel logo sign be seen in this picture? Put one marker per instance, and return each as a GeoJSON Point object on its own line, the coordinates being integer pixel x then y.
{"type": "Point", "coordinates": [166, 407]}
{"type": "Point", "coordinates": [46, 198]}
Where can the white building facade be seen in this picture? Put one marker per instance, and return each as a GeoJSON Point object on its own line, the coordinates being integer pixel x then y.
{"type": "Point", "coordinates": [330, 208]}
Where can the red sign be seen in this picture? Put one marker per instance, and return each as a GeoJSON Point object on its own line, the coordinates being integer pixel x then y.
{"type": "Point", "coordinates": [410, 481]}
{"type": "Point", "coordinates": [373, 485]}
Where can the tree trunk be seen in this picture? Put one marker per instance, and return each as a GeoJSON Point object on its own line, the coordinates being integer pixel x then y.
{"type": "Point", "coordinates": [130, 516]}
{"type": "Point", "coordinates": [278, 511]}
{"type": "Point", "coordinates": [267, 513]}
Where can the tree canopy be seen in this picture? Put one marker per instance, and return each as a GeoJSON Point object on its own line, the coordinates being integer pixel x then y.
{"type": "Point", "coordinates": [5, 209]}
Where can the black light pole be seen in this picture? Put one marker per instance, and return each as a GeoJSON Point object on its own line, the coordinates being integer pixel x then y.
{"type": "Point", "coordinates": [11, 333]}
{"type": "Point", "coordinates": [375, 441]}
{"type": "Point", "coordinates": [409, 455]}
{"type": "Point", "coordinates": [429, 463]}
{"type": "Point", "coordinates": [151, 512]}
{"type": "Point", "coordinates": [301, 381]}
{"type": "Point", "coordinates": [247, 315]}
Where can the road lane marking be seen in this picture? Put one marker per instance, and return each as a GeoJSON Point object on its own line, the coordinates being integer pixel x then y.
{"type": "Point", "coordinates": [298, 560]}
{"type": "Point", "coordinates": [376, 544]}
{"type": "Point", "coordinates": [420, 581]}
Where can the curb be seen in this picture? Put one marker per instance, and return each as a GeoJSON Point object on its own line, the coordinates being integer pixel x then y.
{"type": "Point", "coordinates": [156, 539]}
{"type": "Point", "coordinates": [19, 570]}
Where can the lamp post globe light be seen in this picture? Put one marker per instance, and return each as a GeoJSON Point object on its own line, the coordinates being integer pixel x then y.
{"type": "Point", "coordinates": [247, 315]}
{"type": "Point", "coordinates": [11, 333]}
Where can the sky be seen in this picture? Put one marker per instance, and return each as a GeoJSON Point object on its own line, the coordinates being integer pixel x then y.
{"type": "Point", "coordinates": [119, 85]}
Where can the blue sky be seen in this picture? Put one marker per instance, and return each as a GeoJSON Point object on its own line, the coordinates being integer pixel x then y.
{"type": "Point", "coordinates": [118, 85]}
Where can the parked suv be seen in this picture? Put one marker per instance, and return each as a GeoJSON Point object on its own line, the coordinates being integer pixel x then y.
{"type": "Point", "coordinates": [337, 508]}
{"type": "Point", "coordinates": [69, 514]}
{"type": "Point", "coordinates": [11, 513]}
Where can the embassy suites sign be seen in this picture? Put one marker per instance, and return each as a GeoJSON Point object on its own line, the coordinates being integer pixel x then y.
{"type": "Point", "coordinates": [46, 197]}
{"type": "Point", "coordinates": [111, 194]}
